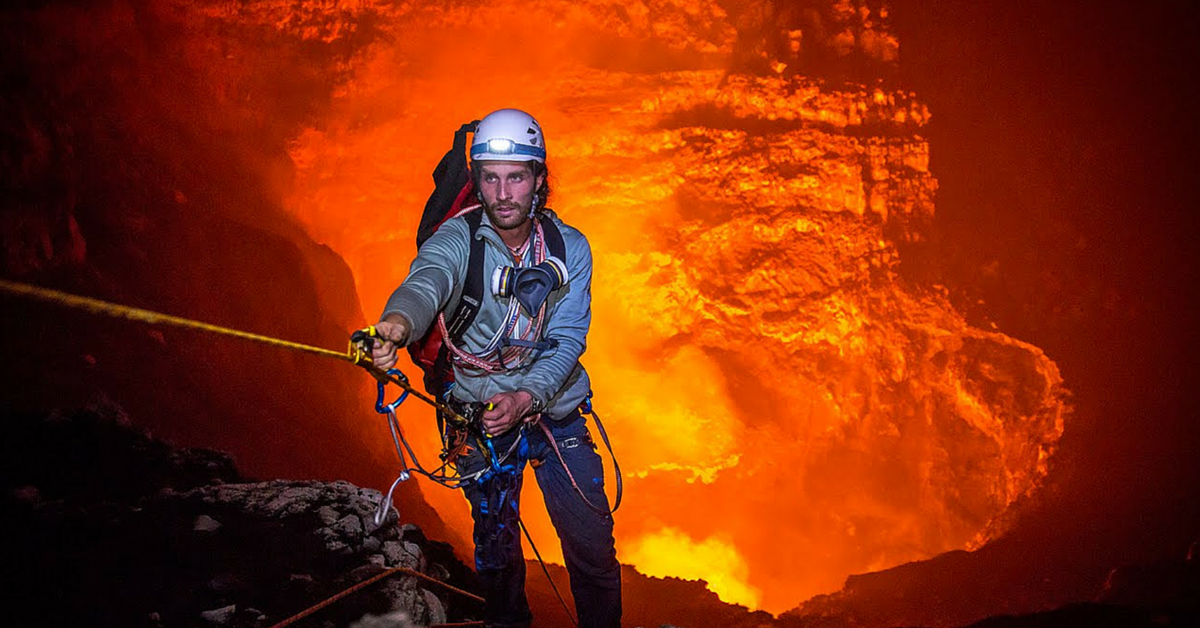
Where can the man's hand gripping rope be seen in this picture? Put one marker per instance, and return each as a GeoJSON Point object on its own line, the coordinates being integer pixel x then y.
{"type": "Point", "coordinates": [394, 330]}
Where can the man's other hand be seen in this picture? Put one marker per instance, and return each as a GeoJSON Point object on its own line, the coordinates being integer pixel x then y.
{"type": "Point", "coordinates": [394, 331]}
{"type": "Point", "coordinates": [507, 410]}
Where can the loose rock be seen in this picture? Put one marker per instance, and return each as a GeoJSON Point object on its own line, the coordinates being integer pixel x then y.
{"type": "Point", "coordinates": [206, 524]}
{"type": "Point", "coordinates": [220, 616]}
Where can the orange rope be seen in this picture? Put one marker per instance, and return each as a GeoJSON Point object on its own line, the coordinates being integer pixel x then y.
{"type": "Point", "coordinates": [368, 582]}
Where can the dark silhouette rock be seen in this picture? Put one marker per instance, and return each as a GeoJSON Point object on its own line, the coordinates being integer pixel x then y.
{"type": "Point", "coordinates": [191, 542]}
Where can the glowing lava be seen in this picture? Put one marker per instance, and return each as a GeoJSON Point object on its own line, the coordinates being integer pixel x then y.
{"type": "Point", "coordinates": [672, 553]}
{"type": "Point", "coordinates": [787, 409]}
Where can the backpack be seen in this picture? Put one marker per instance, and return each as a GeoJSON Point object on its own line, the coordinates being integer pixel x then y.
{"type": "Point", "coordinates": [453, 196]}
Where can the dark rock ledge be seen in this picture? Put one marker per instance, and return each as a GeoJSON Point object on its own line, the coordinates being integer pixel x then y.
{"type": "Point", "coordinates": [110, 527]}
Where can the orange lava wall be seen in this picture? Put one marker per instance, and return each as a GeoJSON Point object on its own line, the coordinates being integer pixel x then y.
{"type": "Point", "coordinates": [786, 409]}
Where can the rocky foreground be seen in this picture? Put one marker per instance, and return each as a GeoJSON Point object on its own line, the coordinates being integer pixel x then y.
{"type": "Point", "coordinates": [108, 527]}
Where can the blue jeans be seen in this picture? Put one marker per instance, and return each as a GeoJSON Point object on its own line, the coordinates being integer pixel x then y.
{"type": "Point", "coordinates": [586, 536]}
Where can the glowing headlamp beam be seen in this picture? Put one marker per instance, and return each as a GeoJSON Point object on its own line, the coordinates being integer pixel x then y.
{"type": "Point", "coordinates": [500, 146]}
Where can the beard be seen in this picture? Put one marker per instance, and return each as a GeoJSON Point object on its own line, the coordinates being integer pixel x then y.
{"type": "Point", "coordinates": [515, 215]}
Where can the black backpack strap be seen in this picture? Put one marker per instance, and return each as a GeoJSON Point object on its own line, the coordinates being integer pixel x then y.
{"type": "Point", "coordinates": [554, 240]}
{"type": "Point", "coordinates": [472, 291]}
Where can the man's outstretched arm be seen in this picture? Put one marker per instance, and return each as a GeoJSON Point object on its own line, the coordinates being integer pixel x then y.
{"type": "Point", "coordinates": [415, 304]}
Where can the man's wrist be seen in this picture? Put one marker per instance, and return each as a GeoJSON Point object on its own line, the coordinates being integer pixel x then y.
{"type": "Point", "coordinates": [536, 406]}
{"type": "Point", "coordinates": [396, 318]}
{"type": "Point", "coordinates": [402, 321]}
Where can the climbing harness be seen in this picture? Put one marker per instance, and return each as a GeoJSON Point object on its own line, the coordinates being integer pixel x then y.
{"type": "Point", "coordinates": [498, 478]}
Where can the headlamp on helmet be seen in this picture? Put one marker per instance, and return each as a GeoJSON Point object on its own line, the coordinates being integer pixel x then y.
{"type": "Point", "coordinates": [500, 146]}
{"type": "Point", "coordinates": [508, 135]}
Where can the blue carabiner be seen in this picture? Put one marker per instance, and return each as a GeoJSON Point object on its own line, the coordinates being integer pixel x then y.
{"type": "Point", "coordinates": [492, 457]}
{"type": "Point", "coordinates": [391, 407]}
{"type": "Point", "coordinates": [510, 468]}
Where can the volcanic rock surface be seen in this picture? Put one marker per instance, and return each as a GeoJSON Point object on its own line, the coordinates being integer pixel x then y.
{"type": "Point", "coordinates": [113, 528]}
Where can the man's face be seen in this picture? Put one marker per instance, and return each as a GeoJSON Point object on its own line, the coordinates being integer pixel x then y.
{"type": "Point", "coordinates": [507, 189]}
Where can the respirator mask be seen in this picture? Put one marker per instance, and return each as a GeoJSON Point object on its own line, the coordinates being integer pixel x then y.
{"type": "Point", "coordinates": [530, 286]}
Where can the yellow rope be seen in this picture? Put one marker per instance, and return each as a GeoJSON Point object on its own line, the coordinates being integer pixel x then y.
{"type": "Point", "coordinates": [354, 354]}
{"type": "Point", "coordinates": [96, 306]}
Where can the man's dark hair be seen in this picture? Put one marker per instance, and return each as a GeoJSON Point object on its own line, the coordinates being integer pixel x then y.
{"type": "Point", "coordinates": [543, 192]}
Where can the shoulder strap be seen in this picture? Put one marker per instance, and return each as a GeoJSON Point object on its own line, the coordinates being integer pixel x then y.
{"type": "Point", "coordinates": [472, 291]}
{"type": "Point", "coordinates": [554, 240]}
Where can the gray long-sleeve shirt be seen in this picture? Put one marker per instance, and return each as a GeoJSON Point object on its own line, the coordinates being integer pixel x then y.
{"type": "Point", "coordinates": [555, 377]}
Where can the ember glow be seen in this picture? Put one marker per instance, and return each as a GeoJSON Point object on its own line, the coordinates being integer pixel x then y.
{"type": "Point", "coordinates": [673, 553]}
{"type": "Point", "coordinates": [786, 410]}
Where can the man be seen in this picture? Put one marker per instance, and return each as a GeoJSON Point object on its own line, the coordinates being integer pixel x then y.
{"type": "Point", "coordinates": [519, 357]}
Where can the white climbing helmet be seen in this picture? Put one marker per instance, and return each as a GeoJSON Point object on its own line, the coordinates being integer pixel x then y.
{"type": "Point", "coordinates": [508, 135]}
